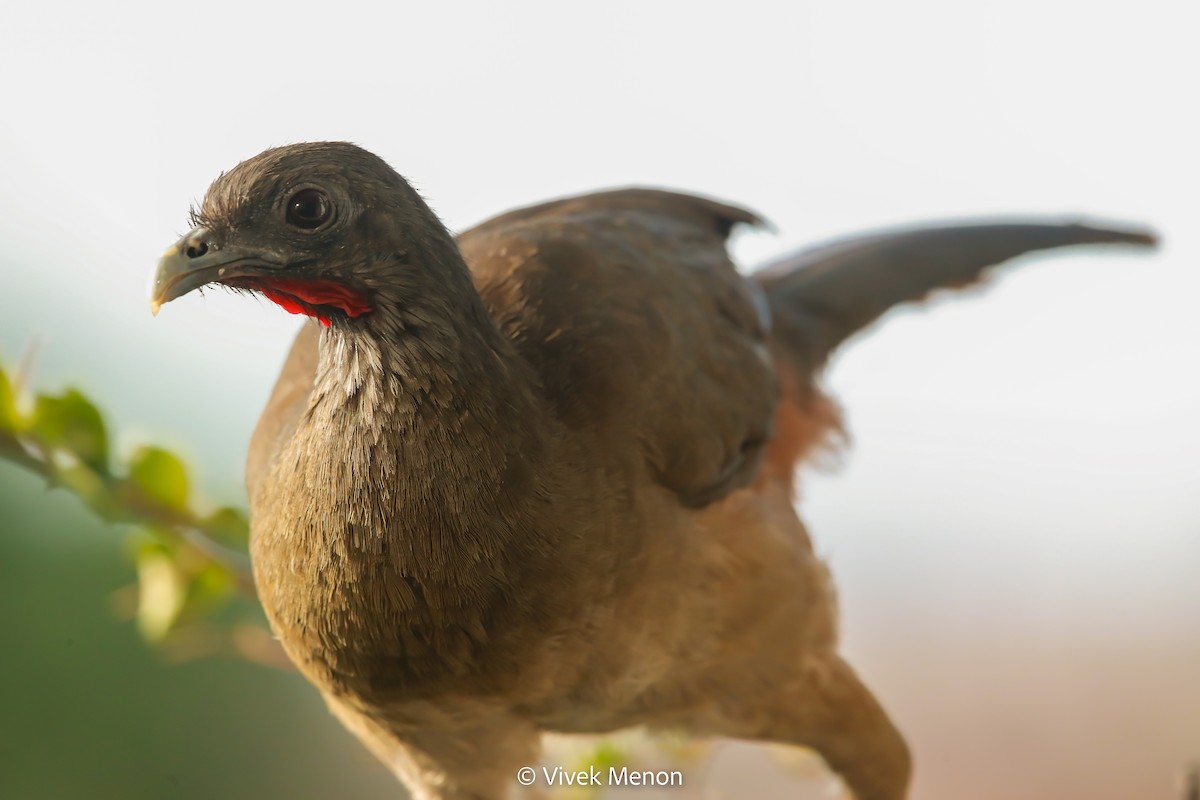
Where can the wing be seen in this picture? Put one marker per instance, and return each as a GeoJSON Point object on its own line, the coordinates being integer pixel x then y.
{"type": "Point", "coordinates": [643, 333]}
{"type": "Point", "coordinates": [821, 296]}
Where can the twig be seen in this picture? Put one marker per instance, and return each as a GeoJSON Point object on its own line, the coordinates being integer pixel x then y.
{"type": "Point", "coordinates": [122, 508]}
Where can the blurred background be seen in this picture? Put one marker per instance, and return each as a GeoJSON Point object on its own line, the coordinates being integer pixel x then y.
{"type": "Point", "coordinates": [1015, 530]}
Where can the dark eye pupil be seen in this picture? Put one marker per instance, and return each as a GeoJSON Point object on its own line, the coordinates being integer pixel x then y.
{"type": "Point", "coordinates": [308, 209]}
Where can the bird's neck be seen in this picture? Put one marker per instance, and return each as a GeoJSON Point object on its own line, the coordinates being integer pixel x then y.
{"type": "Point", "coordinates": [405, 506]}
{"type": "Point", "coordinates": [408, 481]}
{"type": "Point", "coordinates": [437, 422]}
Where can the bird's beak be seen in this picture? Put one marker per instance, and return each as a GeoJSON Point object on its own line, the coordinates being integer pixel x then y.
{"type": "Point", "coordinates": [197, 260]}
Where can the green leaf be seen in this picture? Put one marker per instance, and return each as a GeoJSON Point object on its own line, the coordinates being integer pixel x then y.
{"type": "Point", "coordinates": [8, 404]}
{"type": "Point", "coordinates": [227, 524]}
{"type": "Point", "coordinates": [209, 588]}
{"type": "Point", "coordinates": [607, 754]}
{"type": "Point", "coordinates": [72, 423]}
{"type": "Point", "coordinates": [160, 476]}
{"type": "Point", "coordinates": [162, 591]}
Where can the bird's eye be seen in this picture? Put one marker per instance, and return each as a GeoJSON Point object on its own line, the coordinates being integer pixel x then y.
{"type": "Point", "coordinates": [308, 209]}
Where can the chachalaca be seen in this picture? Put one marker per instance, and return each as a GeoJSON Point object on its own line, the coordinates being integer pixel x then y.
{"type": "Point", "coordinates": [540, 478]}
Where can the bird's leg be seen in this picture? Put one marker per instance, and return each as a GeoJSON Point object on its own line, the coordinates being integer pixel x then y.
{"type": "Point", "coordinates": [465, 764]}
{"type": "Point", "coordinates": [824, 706]}
{"type": "Point", "coordinates": [444, 759]}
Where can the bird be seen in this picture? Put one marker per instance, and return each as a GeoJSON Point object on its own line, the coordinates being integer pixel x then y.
{"type": "Point", "coordinates": [539, 477]}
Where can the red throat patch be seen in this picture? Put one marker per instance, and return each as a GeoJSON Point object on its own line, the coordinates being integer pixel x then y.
{"type": "Point", "coordinates": [309, 296]}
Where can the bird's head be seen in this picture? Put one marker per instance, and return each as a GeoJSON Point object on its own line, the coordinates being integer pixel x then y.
{"type": "Point", "coordinates": [317, 228]}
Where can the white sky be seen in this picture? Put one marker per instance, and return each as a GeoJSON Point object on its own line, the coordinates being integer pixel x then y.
{"type": "Point", "coordinates": [1018, 453]}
